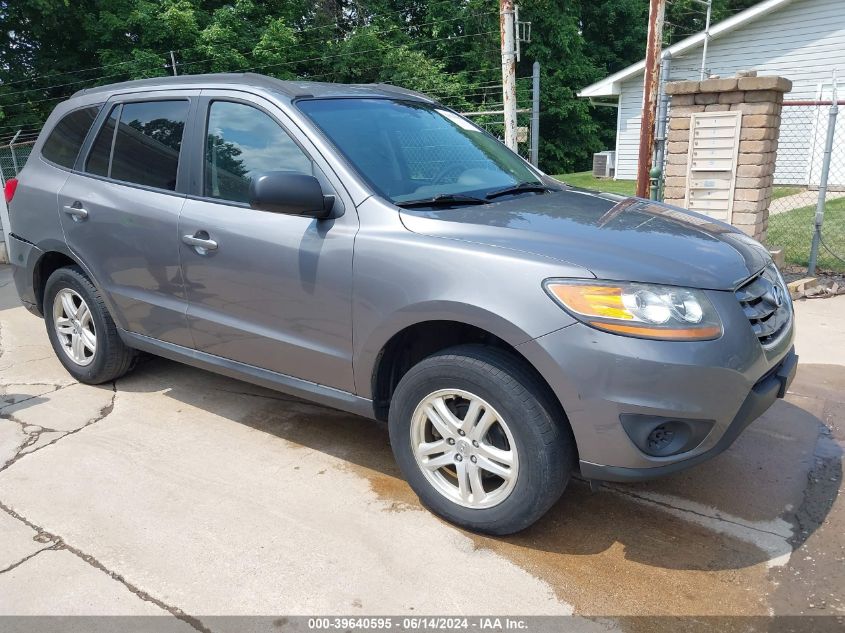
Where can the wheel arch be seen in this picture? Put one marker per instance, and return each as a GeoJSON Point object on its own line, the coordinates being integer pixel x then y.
{"type": "Point", "coordinates": [54, 255]}
{"type": "Point", "coordinates": [418, 340]}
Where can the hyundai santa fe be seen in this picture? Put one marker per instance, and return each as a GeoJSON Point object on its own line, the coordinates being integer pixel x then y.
{"type": "Point", "coordinates": [369, 249]}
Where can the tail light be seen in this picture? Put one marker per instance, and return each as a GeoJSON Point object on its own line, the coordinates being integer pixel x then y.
{"type": "Point", "coordinates": [9, 189]}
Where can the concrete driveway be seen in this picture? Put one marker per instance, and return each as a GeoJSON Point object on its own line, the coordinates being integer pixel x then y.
{"type": "Point", "coordinates": [178, 491]}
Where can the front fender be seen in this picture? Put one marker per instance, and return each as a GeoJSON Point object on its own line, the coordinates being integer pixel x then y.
{"type": "Point", "coordinates": [368, 353]}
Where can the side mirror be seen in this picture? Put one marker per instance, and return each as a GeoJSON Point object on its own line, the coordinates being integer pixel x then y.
{"type": "Point", "coordinates": [290, 193]}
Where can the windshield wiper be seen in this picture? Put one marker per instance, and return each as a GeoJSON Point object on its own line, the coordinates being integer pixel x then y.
{"type": "Point", "coordinates": [522, 187]}
{"type": "Point", "coordinates": [442, 200]}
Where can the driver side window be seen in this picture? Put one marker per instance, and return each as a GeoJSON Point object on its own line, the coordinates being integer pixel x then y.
{"type": "Point", "coordinates": [241, 142]}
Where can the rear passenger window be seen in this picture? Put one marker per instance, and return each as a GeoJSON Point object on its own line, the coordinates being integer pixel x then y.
{"type": "Point", "coordinates": [242, 142]}
{"type": "Point", "coordinates": [100, 154]}
{"type": "Point", "coordinates": [63, 144]}
{"type": "Point", "coordinates": [147, 143]}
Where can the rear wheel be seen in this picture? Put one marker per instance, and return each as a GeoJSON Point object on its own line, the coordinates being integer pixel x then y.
{"type": "Point", "coordinates": [81, 330]}
{"type": "Point", "coordinates": [479, 439]}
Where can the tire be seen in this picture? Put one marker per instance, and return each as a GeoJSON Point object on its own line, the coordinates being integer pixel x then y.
{"type": "Point", "coordinates": [537, 448]}
{"type": "Point", "coordinates": [111, 358]}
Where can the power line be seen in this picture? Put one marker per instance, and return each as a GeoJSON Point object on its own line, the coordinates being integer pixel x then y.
{"type": "Point", "coordinates": [285, 63]}
{"type": "Point", "coordinates": [492, 83]}
{"type": "Point", "coordinates": [27, 103]}
{"type": "Point", "coordinates": [23, 132]}
{"type": "Point", "coordinates": [244, 54]}
{"type": "Point", "coordinates": [490, 86]}
{"type": "Point", "coordinates": [296, 31]}
{"type": "Point", "coordinates": [21, 140]}
{"type": "Point", "coordinates": [69, 72]}
{"type": "Point", "coordinates": [395, 65]}
{"type": "Point", "coordinates": [71, 83]}
{"type": "Point", "coordinates": [372, 50]}
{"type": "Point", "coordinates": [399, 12]}
{"type": "Point", "coordinates": [21, 125]}
{"type": "Point", "coordinates": [296, 61]}
{"type": "Point", "coordinates": [272, 65]}
{"type": "Point", "coordinates": [376, 16]}
{"type": "Point", "coordinates": [471, 95]}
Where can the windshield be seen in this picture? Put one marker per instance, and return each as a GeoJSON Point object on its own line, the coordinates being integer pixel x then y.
{"type": "Point", "coordinates": [411, 151]}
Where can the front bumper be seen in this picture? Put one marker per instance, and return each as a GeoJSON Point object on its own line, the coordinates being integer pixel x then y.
{"type": "Point", "coordinates": [602, 378]}
{"type": "Point", "coordinates": [761, 397]}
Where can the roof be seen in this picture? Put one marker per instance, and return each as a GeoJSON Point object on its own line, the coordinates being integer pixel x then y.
{"type": "Point", "coordinates": [291, 89]}
{"type": "Point", "coordinates": [610, 86]}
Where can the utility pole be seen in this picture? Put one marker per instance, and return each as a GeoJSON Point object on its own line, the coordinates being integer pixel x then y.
{"type": "Point", "coordinates": [507, 27]}
{"type": "Point", "coordinates": [651, 74]}
{"type": "Point", "coordinates": [173, 63]}
{"type": "Point", "coordinates": [535, 114]}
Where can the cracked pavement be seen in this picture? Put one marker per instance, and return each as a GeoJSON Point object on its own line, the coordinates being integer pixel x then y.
{"type": "Point", "coordinates": [183, 494]}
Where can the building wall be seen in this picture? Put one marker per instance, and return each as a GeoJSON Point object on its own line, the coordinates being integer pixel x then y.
{"type": "Point", "coordinates": [628, 134]}
{"type": "Point", "coordinates": [803, 42]}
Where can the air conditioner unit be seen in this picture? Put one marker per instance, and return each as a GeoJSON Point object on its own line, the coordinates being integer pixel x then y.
{"type": "Point", "coordinates": [604, 164]}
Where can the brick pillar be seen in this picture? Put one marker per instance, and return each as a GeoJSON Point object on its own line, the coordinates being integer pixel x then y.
{"type": "Point", "coordinates": [760, 100]}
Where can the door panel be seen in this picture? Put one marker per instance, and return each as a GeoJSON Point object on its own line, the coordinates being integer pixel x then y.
{"type": "Point", "coordinates": [266, 289]}
{"type": "Point", "coordinates": [129, 241]}
{"type": "Point", "coordinates": [122, 220]}
{"type": "Point", "coordinates": [275, 293]}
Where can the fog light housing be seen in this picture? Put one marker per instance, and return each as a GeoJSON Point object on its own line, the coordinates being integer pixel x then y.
{"type": "Point", "coordinates": [663, 437]}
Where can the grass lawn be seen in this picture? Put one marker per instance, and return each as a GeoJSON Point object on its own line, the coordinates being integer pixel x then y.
{"type": "Point", "coordinates": [586, 180]}
{"type": "Point", "coordinates": [782, 192]}
{"type": "Point", "coordinates": [628, 187]}
{"type": "Point", "coordinates": [793, 232]}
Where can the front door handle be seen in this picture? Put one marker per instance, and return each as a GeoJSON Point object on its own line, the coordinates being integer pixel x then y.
{"type": "Point", "coordinates": [76, 211]}
{"type": "Point", "coordinates": [201, 242]}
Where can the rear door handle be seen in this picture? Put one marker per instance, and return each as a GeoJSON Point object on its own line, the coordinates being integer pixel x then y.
{"type": "Point", "coordinates": [78, 213]}
{"type": "Point", "coordinates": [201, 242]}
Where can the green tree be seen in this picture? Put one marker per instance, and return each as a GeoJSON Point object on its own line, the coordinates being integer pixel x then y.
{"type": "Point", "coordinates": [446, 48]}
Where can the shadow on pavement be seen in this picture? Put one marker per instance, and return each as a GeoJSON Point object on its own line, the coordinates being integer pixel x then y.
{"type": "Point", "coordinates": [761, 481]}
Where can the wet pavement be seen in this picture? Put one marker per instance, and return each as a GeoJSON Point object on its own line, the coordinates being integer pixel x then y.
{"type": "Point", "coordinates": [182, 493]}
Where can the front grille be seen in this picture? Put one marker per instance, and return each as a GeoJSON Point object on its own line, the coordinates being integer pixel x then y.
{"type": "Point", "coordinates": [766, 303]}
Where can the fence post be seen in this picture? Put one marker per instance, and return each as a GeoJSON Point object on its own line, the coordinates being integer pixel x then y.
{"type": "Point", "coordinates": [12, 152]}
{"type": "Point", "coordinates": [535, 114]}
{"type": "Point", "coordinates": [828, 151]}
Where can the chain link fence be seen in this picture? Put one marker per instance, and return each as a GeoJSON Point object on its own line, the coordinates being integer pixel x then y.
{"type": "Point", "coordinates": [495, 125]}
{"type": "Point", "coordinates": [488, 113]}
{"type": "Point", "coordinates": [809, 130]}
{"type": "Point", "coordinates": [13, 158]}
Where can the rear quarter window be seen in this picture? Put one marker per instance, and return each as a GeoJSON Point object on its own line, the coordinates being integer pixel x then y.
{"type": "Point", "coordinates": [64, 142]}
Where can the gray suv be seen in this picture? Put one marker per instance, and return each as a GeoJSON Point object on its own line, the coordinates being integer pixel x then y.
{"type": "Point", "coordinates": [366, 248]}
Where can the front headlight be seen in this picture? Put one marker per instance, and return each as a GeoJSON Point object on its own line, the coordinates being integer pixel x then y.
{"type": "Point", "coordinates": [635, 309]}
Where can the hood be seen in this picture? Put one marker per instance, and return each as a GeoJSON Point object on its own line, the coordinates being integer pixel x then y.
{"type": "Point", "coordinates": [625, 239]}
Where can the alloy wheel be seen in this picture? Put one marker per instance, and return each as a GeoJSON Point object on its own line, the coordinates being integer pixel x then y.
{"type": "Point", "coordinates": [74, 326]}
{"type": "Point", "coordinates": [464, 448]}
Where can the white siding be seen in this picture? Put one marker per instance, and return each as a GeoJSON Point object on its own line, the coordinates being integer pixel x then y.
{"type": "Point", "coordinates": [803, 41]}
{"type": "Point", "coordinates": [628, 134]}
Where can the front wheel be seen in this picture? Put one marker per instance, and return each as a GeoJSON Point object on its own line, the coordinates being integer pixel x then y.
{"type": "Point", "coordinates": [479, 439]}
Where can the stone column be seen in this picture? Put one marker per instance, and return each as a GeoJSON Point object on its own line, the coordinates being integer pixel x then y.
{"type": "Point", "coordinates": [760, 100]}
